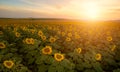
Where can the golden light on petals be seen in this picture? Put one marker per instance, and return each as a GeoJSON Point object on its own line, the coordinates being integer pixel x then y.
{"type": "Point", "coordinates": [68, 39]}
{"type": "Point", "coordinates": [47, 50]}
{"type": "Point", "coordinates": [2, 45]}
{"type": "Point", "coordinates": [69, 34]}
{"type": "Point", "coordinates": [78, 50]}
{"type": "Point", "coordinates": [8, 64]}
{"type": "Point", "coordinates": [17, 34]}
{"type": "Point", "coordinates": [98, 56]}
{"type": "Point", "coordinates": [43, 37]}
{"type": "Point", "coordinates": [40, 33]}
{"type": "Point", "coordinates": [28, 41]}
{"type": "Point", "coordinates": [109, 38]}
{"type": "Point", "coordinates": [1, 32]}
{"type": "Point", "coordinates": [58, 56]}
{"type": "Point", "coordinates": [52, 39]}
{"type": "Point", "coordinates": [113, 48]}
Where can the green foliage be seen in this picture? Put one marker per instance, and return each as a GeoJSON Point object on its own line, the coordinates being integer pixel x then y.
{"type": "Point", "coordinates": [31, 58]}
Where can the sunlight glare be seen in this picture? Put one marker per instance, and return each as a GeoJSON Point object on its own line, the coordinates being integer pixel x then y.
{"type": "Point", "coordinates": [91, 10]}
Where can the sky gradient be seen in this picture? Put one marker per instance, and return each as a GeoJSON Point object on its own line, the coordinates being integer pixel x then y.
{"type": "Point", "coordinates": [72, 9]}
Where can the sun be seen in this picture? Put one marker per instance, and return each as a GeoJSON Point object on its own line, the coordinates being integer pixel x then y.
{"type": "Point", "coordinates": [91, 10]}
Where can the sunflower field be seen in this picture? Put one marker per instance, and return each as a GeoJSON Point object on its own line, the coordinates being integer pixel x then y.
{"type": "Point", "coordinates": [59, 48]}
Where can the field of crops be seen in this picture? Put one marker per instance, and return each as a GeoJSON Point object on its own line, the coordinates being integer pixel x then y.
{"type": "Point", "coordinates": [59, 47]}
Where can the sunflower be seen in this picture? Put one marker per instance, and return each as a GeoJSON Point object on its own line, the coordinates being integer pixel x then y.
{"type": "Point", "coordinates": [98, 56]}
{"type": "Point", "coordinates": [109, 38]}
{"type": "Point", "coordinates": [63, 33]}
{"type": "Point", "coordinates": [31, 41]}
{"type": "Point", "coordinates": [68, 39]}
{"type": "Point", "coordinates": [17, 34]}
{"type": "Point", "coordinates": [47, 50]}
{"type": "Point", "coordinates": [50, 28]}
{"type": "Point", "coordinates": [1, 32]}
{"type": "Point", "coordinates": [43, 37]}
{"type": "Point", "coordinates": [27, 41]}
{"type": "Point", "coordinates": [2, 45]}
{"type": "Point", "coordinates": [58, 56]}
{"type": "Point", "coordinates": [113, 48]}
{"type": "Point", "coordinates": [8, 64]}
{"type": "Point", "coordinates": [58, 32]}
{"type": "Point", "coordinates": [40, 33]}
{"type": "Point", "coordinates": [69, 34]}
{"type": "Point", "coordinates": [32, 31]}
{"type": "Point", "coordinates": [24, 28]}
{"type": "Point", "coordinates": [78, 50]}
{"type": "Point", "coordinates": [52, 39]}
{"type": "Point", "coordinates": [77, 36]}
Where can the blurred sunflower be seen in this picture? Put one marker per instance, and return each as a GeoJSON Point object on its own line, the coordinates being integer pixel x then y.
{"type": "Point", "coordinates": [63, 33]}
{"type": "Point", "coordinates": [52, 39]}
{"type": "Point", "coordinates": [27, 41]}
{"type": "Point", "coordinates": [24, 28]}
{"type": "Point", "coordinates": [98, 56]}
{"type": "Point", "coordinates": [8, 64]}
{"type": "Point", "coordinates": [58, 32]}
{"type": "Point", "coordinates": [50, 28]}
{"type": "Point", "coordinates": [47, 50]}
{"type": "Point", "coordinates": [1, 32]}
{"type": "Point", "coordinates": [68, 39]}
{"type": "Point", "coordinates": [17, 34]}
{"type": "Point", "coordinates": [113, 48]}
{"type": "Point", "coordinates": [43, 37]}
{"type": "Point", "coordinates": [15, 29]}
{"type": "Point", "coordinates": [58, 56]}
{"type": "Point", "coordinates": [40, 33]}
{"type": "Point", "coordinates": [32, 31]}
{"type": "Point", "coordinates": [109, 38]}
{"type": "Point", "coordinates": [78, 50]}
{"type": "Point", "coordinates": [2, 45]}
{"type": "Point", "coordinates": [77, 36]}
{"type": "Point", "coordinates": [69, 34]}
{"type": "Point", "coordinates": [31, 41]}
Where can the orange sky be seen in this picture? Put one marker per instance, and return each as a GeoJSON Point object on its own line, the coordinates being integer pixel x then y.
{"type": "Point", "coordinates": [72, 9]}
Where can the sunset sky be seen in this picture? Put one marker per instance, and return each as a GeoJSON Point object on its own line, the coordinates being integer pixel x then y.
{"type": "Point", "coordinates": [72, 9]}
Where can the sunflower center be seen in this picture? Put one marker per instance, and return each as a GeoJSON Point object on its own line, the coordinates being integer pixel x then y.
{"type": "Point", "coordinates": [8, 63]}
{"type": "Point", "coordinates": [47, 50]}
{"type": "Point", "coordinates": [59, 56]}
{"type": "Point", "coordinates": [28, 40]}
{"type": "Point", "coordinates": [1, 45]}
{"type": "Point", "coordinates": [52, 39]}
{"type": "Point", "coordinates": [97, 56]}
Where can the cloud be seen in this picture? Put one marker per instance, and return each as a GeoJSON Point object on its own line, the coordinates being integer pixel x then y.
{"type": "Point", "coordinates": [48, 3]}
{"type": "Point", "coordinates": [22, 14]}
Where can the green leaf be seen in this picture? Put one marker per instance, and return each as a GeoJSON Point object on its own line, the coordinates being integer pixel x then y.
{"type": "Point", "coordinates": [23, 69]}
{"type": "Point", "coordinates": [49, 60]}
{"type": "Point", "coordinates": [38, 60]}
{"type": "Point", "coordinates": [116, 70]}
{"type": "Point", "coordinates": [51, 69]}
{"type": "Point", "coordinates": [42, 68]}
{"type": "Point", "coordinates": [86, 65]}
{"type": "Point", "coordinates": [60, 68]}
{"type": "Point", "coordinates": [97, 67]}
{"type": "Point", "coordinates": [31, 60]}
{"type": "Point", "coordinates": [67, 64]}
{"type": "Point", "coordinates": [89, 70]}
{"type": "Point", "coordinates": [79, 67]}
